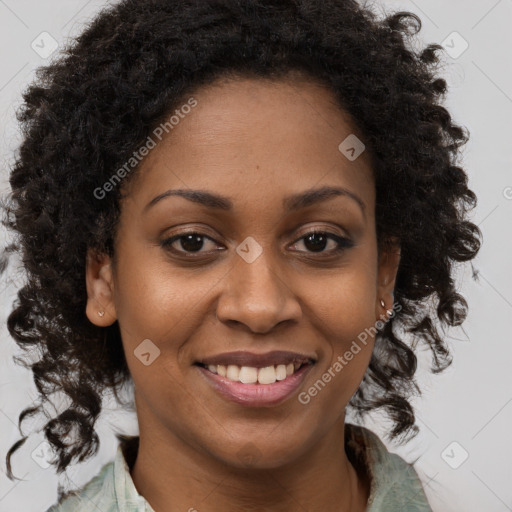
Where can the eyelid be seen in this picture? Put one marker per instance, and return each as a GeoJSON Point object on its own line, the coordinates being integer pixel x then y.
{"type": "Point", "coordinates": [320, 229]}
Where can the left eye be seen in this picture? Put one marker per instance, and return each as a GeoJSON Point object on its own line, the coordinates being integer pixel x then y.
{"type": "Point", "coordinates": [317, 240]}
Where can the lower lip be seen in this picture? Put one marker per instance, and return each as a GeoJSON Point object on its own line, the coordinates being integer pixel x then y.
{"type": "Point", "coordinates": [257, 395]}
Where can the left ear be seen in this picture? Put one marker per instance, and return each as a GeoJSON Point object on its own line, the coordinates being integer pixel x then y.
{"type": "Point", "coordinates": [389, 260]}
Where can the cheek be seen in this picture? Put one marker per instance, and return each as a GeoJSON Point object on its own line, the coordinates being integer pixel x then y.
{"type": "Point", "coordinates": [344, 313]}
{"type": "Point", "coordinates": [158, 311]}
{"type": "Point", "coordinates": [346, 322]}
{"type": "Point", "coordinates": [162, 303]}
{"type": "Point", "coordinates": [343, 305]}
{"type": "Point", "coordinates": [157, 304]}
{"type": "Point", "coordinates": [152, 297]}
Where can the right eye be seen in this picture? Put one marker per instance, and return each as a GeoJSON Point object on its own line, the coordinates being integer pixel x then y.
{"type": "Point", "coordinates": [191, 242]}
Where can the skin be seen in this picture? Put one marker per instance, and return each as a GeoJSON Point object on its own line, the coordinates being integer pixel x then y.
{"type": "Point", "coordinates": [257, 142]}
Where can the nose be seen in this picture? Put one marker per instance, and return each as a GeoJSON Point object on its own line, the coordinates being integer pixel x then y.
{"type": "Point", "coordinates": [258, 296]}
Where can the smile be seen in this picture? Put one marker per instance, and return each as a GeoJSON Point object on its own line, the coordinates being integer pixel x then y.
{"type": "Point", "coordinates": [256, 387]}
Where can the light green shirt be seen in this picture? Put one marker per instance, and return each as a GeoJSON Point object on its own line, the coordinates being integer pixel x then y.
{"type": "Point", "coordinates": [395, 486]}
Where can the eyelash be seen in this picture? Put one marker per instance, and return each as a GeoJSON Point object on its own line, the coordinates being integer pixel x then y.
{"type": "Point", "coordinates": [343, 243]}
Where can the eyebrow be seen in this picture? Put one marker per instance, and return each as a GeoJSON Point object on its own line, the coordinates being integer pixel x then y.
{"type": "Point", "coordinates": [290, 203]}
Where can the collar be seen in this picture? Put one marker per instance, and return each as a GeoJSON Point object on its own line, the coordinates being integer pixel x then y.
{"type": "Point", "coordinates": [126, 493]}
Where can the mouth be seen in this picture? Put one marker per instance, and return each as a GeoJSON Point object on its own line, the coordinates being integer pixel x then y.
{"type": "Point", "coordinates": [251, 368]}
{"type": "Point", "coordinates": [256, 380]}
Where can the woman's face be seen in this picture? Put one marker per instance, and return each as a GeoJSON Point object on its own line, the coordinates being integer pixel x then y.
{"type": "Point", "coordinates": [252, 279]}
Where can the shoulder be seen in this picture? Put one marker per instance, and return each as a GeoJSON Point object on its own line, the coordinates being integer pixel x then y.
{"type": "Point", "coordinates": [98, 492]}
{"type": "Point", "coordinates": [395, 485]}
{"type": "Point", "coordinates": [111, 490]}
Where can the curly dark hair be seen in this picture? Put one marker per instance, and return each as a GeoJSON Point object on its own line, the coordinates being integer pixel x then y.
{"type": "Point", "coordinates": [94, 105]}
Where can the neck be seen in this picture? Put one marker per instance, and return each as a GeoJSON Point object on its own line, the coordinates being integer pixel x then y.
{"type": "Point", "coordinates": [174, 476]}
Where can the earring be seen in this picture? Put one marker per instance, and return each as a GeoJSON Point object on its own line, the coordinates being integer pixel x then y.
{"type": "Point", "coordinates": [389, 312]}
{"type": "Point", "coordinates": [101, 313]}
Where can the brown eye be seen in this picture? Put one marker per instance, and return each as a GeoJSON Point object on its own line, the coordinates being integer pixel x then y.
{"type": "Point", "coordinates": [189, 242]}
{"type": "Point", "coordinates": [317, 241]}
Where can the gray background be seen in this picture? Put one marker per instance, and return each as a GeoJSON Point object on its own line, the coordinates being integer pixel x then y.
{"type": "Point", "coordinates": [464, 412]}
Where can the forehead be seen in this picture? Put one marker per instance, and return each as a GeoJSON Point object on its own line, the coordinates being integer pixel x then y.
{"type": "Point", "coordinates": [259, 139]}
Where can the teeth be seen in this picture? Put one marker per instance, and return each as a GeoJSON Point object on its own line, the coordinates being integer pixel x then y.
{"type": "Point", "coordinates": [233, 372]}
{"type": "Point", "coordinates": [267, 375]}
{"type": "Point", "coordinates": [248, 375]}
{"type": "Point", "coordinates": [280, 372]}
{"type": "Point", "coordinates": [251, 375]}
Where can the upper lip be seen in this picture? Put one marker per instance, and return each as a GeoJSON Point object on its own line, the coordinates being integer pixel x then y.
{"type": "Point", "coordinates": [244, 358]}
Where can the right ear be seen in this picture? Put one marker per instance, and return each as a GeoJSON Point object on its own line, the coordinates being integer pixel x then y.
{"type": "Point", "coordinates": [100, 309]}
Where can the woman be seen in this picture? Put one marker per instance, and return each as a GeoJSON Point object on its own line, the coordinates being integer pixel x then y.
{"type": "Point", "coordinates": [252, 210]}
